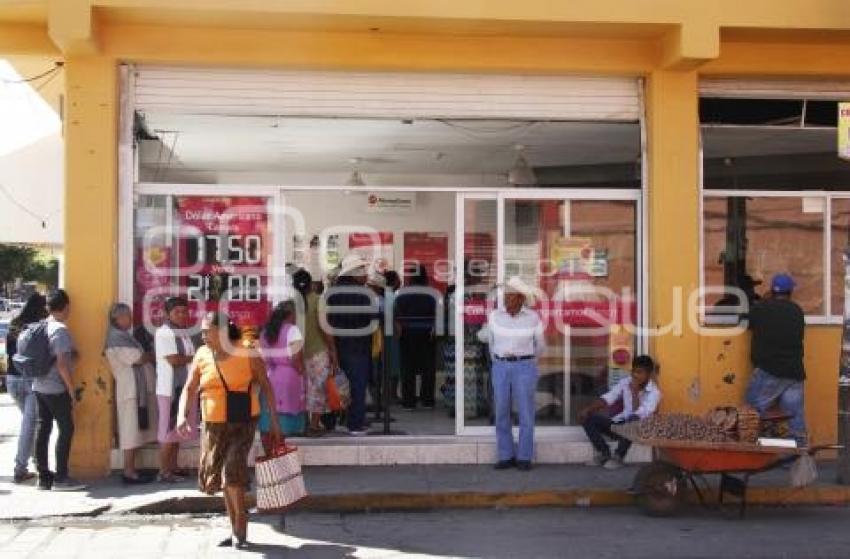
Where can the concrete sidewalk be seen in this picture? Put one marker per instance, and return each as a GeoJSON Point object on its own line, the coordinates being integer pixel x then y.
{"type": "Point", "coordinates": [364, 488]}
{"type": "Point", "coordinates": [350, 489]}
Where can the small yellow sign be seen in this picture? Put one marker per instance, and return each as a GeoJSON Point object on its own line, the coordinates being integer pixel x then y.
{"type": "Point", "coordinates": [844, 130]}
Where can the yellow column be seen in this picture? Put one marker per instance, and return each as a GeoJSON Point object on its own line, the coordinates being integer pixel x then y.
{"type": "Point", "coordinates": [91, 236]}
{"type": "Point", "coordinates": [673, 204]}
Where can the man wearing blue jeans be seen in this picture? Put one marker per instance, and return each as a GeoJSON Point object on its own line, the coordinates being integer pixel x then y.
{"type": "Point", "coordinates": [515, 337]}
{"type": "Point", "coordinates": [778, 325]}
{"type": "Point", "coordinates": [352, 313]}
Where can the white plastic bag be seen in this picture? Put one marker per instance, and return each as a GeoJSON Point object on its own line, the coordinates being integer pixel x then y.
{"type": "Point", "coordinates": [804, 471]}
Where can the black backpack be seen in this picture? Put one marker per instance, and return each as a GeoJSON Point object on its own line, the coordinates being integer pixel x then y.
{"type": "Point", "coordinates": [33, 358]}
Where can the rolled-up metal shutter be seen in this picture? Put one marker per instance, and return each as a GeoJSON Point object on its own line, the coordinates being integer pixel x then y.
{"type": "Point", "coordinates": [774, 89]}
{"type": "Point", "coordinates": [389, 95]}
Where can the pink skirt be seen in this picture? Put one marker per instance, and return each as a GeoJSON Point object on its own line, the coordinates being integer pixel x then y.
{"type": "Point", "coordinates": [164, 433]}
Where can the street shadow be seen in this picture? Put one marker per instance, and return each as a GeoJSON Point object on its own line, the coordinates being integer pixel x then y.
{"type": "Point", "coordinates": [307, 551]}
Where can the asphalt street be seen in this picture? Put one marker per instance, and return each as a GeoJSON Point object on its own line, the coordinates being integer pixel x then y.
{"type": "Point", "coordinates": [601, 533]}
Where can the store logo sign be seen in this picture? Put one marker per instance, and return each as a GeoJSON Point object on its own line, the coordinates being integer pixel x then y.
{"type": "Point", "coordinates": [390, 202]}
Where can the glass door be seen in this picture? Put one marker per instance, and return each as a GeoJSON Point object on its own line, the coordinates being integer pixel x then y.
{"type": "Point", "coordinates": [579, 251]}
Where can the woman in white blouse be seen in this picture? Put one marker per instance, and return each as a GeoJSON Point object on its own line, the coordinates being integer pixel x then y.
{"type": "Point", "coordinates": [135, 394]}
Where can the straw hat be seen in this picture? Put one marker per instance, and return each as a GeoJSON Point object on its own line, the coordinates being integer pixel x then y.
{"type": "Point", "coordinates": [351, 263]}
{"type": "Point", "coordinates": [516, 285]}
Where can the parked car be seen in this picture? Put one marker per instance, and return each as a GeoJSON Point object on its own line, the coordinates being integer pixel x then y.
{"type": "Point", "coordinates": [4, 330]}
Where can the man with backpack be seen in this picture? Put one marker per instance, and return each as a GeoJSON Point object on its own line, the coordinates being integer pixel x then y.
{"type": "Point", "coordinates": [46, 352]}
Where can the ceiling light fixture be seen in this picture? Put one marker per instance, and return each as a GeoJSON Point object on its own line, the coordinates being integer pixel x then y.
{"type": "Point", "coordinates": [521, 174]}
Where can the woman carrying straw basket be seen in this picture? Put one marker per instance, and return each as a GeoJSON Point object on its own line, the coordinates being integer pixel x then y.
{"type": "Point", "coordinates": [225, 372]}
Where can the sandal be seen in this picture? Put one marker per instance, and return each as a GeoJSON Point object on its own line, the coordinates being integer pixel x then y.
{"type": "Point", "coordinates": [138, 480]}
{"type": "Point", "coordinates": [315, 432]}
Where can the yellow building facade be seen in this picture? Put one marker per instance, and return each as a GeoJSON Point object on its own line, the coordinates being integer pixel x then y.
{"type": "Point", "coordinates": [672, 46]}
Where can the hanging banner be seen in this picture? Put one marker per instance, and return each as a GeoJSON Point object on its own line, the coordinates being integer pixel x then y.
{"type": "Point", "coordinates": [557, 315]}
{"type": "Point", "coordinates": [844, 131]}
{"type": "Point", "coordinates": [223, 243]}
{"type": "Point", "coordinates": [430, 250]}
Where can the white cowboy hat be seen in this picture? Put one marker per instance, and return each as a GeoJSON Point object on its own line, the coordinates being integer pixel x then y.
{"type": "Point", "coordinates": [376, 279]}
{"type": "Point", "coordinates": [516, 285]}
{"type": "Point", "coordinates": [351, 263]}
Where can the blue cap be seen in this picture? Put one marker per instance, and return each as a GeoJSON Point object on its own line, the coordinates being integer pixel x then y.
{"type": "Point", "coordinates": [782, 283]}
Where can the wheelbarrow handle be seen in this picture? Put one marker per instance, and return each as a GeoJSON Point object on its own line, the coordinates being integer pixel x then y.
{"type": "Point", "coordinates": [815, 449]}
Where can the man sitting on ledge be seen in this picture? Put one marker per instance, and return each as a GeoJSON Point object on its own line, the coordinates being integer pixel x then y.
{"type": "Point", "coordinates": [631, 399]}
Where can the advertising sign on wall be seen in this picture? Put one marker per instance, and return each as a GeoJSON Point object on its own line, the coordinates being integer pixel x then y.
{"type": "Point", "coordinates": [376, 248]}
{"type": "Point", "coordinates": [430, 250]}
{"type": "Point", "coordinates": [390, 202]}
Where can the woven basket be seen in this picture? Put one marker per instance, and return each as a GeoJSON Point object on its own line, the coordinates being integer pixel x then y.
{"type": "Point", "coordinates": [279, 480]}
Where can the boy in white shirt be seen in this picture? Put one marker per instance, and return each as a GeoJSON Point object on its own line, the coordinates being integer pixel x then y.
{"type": "Point", "coordinates": [633, 399]}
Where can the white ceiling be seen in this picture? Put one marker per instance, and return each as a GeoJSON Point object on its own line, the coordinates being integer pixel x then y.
{"type": "Point", "coordinates": [267, 144]}
{"type": "Point", "coordinates": [311, 145]}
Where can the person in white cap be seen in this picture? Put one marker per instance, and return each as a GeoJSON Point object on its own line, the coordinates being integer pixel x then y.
{"type": "Point", "coordinates": [515, 338]}
{"type": "Point", "coordinates": [352, 313]}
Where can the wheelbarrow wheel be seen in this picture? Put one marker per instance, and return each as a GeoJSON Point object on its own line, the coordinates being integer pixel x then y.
{"type": "Point", "coordinates": [660, 489]}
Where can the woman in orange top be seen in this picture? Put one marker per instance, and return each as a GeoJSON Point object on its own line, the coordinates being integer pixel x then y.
{"type": "Point", "coordinates": [226, 374]}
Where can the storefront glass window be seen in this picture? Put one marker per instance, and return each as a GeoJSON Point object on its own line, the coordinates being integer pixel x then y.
{"type": "Point", "coordinates": [479, 269]}
{"type": "Point", "coordinates": [580, 256]}
{"type": "Point", "coordinates": [749, 239]}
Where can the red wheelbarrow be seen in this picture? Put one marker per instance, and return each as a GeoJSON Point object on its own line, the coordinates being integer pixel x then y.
{"type": "Point", "coordinates": [661, 486]}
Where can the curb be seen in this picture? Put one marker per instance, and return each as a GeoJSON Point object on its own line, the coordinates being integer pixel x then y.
{"type": "Point", "coordinates": [377, 502]}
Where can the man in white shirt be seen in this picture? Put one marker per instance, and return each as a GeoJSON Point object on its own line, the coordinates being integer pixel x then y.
{"type": "Point", "coordinates": [515, 337]}
{"type": "Point", "coordinates": [631, 399]}
{"type": "Point", "coordinates": [174, 353]}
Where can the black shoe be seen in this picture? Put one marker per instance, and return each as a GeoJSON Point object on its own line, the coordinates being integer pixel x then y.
{"type": "Point", "coordinates": [45, 481]}
{"type": "Point", "coordinates": [523, 465]}
{"type": "Point", "coordinates": [505, 464]}
{"type": "Point", "coordinates": [68, 484]}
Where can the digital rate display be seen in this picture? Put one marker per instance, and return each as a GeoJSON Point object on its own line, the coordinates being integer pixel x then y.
{"type": "Point", "coordinates": [224, 254]}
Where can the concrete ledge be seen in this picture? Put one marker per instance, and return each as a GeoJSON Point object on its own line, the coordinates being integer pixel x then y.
{"type": "Point", "coordinates": [375, 502]}
{"type": "Point", "coordinates": [393, 451]}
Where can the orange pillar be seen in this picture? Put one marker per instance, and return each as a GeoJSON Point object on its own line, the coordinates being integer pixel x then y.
{"type": "Point", "coordinates": [91, 240]}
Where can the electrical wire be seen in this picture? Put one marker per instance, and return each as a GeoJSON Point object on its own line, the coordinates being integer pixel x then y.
{"type": "Point", "coordinates": [476, 133]}
{"type": "Point", "coordinates": [57, 67]}
{"type": "Point", "coordinates": [167, 165]}
{"type": "Point", "coordinates": [486, 130]}
{"type": "Point", "coordinates": [22, 207]}
{"type": "Point", "coordinates": [44, 84]}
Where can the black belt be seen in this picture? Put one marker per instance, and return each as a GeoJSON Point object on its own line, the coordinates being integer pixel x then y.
{"type": "Point", "coordinates": [512, 358]}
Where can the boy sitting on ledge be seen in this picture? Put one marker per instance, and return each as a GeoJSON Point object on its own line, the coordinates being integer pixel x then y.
{"type": "Point", "coordinates": [631, 399]}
